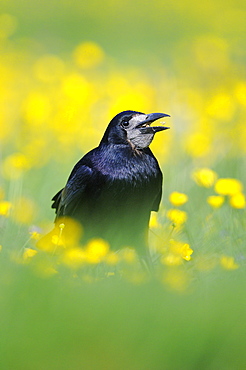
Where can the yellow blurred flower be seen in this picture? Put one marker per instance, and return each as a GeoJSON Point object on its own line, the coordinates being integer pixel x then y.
{"type": "Point", "coordinates": [88, 55]}
{"type": "Point", "coordinates": [65, 235]}
{"type": "Point", "coordinates": [5, 131]}
{"type": "Point", "coordinates": [240, 92]}
{"type": "Point", "coordinates": [177, 216]}
{"type": "Point", "coordinates": [34, 235]}
{"type": "Point", "coordinates": [14, 165]}
{"type": "Point", "coordinates": [176, 280]}
{"type": "Point", "coordinates": [112, 258]}
{"type": "Point", "coordinates": [197, 144]}
{"type": "Point", "coordinates": [36, 151]}
{"type": "Point", "coordinates": [5, 207]}
{"type": "Point", "coordinates": [228, 263]}
{"type": "Point", "coordinates": [215, 201]}
{"type": "Point", "coordinates": [37, 108]}
{"type": "Point", "coordinates": [221, 106]}
{"type": "Point", "coordinates": [74, 257]}
{"type": "Point", "coordinates": [29, 253]}
{"type": "Point", "coordinates": [51, 242]}
{"type": "Point", "coordinates": [153, 222]}
{"type": "Point", "coordinates": [69, 231]}
{"type": "Point", "coordinates": [96, 250]}
{"type": "Point", "coordinates": [204, 177]}
{"type": "Point", "coordinates": [57, 240]}
{"type": "Point", "coordinates": [129, 255]}
{"type": "Point", "coordinates": [178, 199]}
{"type": "Point", "coordinates": [49, 68]}
{"type": "Point", "coordinates": [61, 226]}
{"type": "Point", "coordinates": [228, 186]}
{"type": "Point", "coordinates": [76, 87]}
{"type": "Point", "coordinates": [140, 99]}
{"type": "Point", "coordinates": [238, 200]}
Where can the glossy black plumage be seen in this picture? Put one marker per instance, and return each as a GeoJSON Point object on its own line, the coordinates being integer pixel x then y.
{"type": "Point", "coordinates": [114, 187]}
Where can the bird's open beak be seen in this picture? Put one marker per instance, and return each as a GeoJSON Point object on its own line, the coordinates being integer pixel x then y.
{"type": "Point", "coordinates": [144, 126]}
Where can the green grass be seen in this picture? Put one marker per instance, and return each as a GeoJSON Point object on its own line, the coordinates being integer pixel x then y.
{"type": "Point", "coordinates": [68, 320]}
{"type": "Point", "coordinates": [185, 59]}
{"type": "Point", "coordinates": [64, 323]}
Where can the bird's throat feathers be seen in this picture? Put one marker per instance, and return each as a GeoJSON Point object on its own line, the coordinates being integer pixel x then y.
{"type": "Point", "coordinates": [134, 149]}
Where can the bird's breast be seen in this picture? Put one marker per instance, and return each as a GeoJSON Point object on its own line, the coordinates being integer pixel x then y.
{"type": "Point", "coordinates": [128, 166]}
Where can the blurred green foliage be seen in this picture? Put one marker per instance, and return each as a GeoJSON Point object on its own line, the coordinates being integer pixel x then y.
{"type": "Point", "coordinates": [129, 28]}
{"type": "Point", "coordinates": [47, 324]}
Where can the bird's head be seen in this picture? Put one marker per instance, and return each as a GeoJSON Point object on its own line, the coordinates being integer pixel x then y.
{"type": "Point", "coordinates": [134, 128]}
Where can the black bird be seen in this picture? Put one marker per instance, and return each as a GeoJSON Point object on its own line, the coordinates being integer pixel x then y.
{"type": "Point", "coordinates": [114, 187]}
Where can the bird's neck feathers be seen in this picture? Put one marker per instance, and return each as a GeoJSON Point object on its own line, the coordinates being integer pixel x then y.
{"type": "Point", "coordinates": [126, 147]}
{"type": "Point", "coordinates": [113, 136]}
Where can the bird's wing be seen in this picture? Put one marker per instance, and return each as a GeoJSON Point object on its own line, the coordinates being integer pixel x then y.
{"type": "Point", "coordinates": [56, 200]}
{"type": "Point", "coordinates": [157, 201]}
{"type": "Point", "coordinates": [66, 200]}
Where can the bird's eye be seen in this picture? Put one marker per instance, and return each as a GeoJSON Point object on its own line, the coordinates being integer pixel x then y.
{"type": "Point", "coordinates": [125, 123]}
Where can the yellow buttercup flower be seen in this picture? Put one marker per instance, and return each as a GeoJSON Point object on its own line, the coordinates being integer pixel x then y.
{"type": "Point", "coordinates": [29, 253]}
{"type": "Point", "coordinates": [35, 235]}
{"type": "Point", "coordinates": [178, 199]}
{"type": "Point", "coordinates": [182, 249]}
{"type": "Point", "coordinates": [70, 232]}
{"type": "Point", "coordinates": [5, 207]}
{"type": "Point", "coordinates": [228, 186]}
{"type": "Point", "coordinates": [215, 201]}
{"type": "Point", "coordinates": [238, 201]}
{"type": "Point", "coordinates": [204, 177]}
{"type": "Point", "coordinates": [177, 216]}
{"type": "Point", "coordinates": [96, 250]}
{"type": "Point", "coordinates": [153, 222]}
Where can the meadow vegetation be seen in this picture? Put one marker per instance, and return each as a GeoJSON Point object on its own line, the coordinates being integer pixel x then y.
{"type": "Point", "coordinates": [73, 306]}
